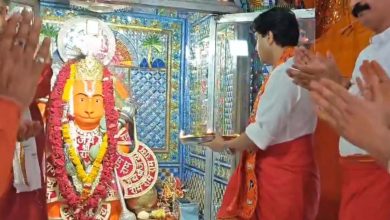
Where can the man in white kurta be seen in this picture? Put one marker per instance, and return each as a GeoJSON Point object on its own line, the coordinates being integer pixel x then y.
{"type": "Point", "coordinates": [277, 170]}
{"type": "Point", "coordinates": [366, 184]}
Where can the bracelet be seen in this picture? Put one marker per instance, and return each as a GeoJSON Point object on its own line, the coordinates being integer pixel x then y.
{"type": "Point", "coordinates": [349, 84]}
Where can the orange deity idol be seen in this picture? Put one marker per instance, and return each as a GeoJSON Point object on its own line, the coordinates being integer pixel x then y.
{"type": "Point", "coordinates": [94, 168]}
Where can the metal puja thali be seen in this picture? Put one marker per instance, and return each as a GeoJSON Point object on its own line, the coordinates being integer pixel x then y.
{"type": "Point", "coordinates": [203, 138]}
{"type": "Point", "coordinates": [196, 139]}
{"type": "Point", "coordinates": [230, 136]}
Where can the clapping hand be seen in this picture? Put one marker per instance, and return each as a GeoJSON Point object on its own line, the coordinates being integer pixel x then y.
{"type": "Point", "coordinates": [20, 64]}
{"type": "Point", "coordinates": [375, 77]}
{"type": "Point", "coordinates": [360, 120]}
{"type": "Point", "coordinates": [309, 67]}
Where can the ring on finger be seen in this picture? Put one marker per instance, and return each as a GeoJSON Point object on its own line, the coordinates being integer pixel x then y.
{"type": "Point", "coordinates": [20, 42]}
{"type": "Point", "coordinates": [39, 59]}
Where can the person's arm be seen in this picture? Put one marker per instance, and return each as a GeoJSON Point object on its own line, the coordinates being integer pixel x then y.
{"type": "Point", "coordinates": [243, 142]}
{"type": "Point", "coordinates": [350, 83]}
{"type": "Point", "coordinates": [351, 115]}
{"type": "Point", "coordinates": [19, 74]}
{"type": "Point", "coordinates": [10, 113]}
{"type": "Point", "coordinates": [276, 104]}
{"type": "Point", "coordinates": [275, 107]}
{"type": "Point", "coordinates": [376, 147]}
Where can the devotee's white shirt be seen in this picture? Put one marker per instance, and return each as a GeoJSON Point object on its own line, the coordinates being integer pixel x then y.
{"type": "Point", "coordinates": [285, 112]}
{"type": "Point", "coordinates": [378, 50]}
{"type": "Point", "coordinates": [27, 173]}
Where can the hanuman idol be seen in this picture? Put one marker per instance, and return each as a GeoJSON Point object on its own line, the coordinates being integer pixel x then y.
{"type": "Point", "coordinates": [94, 167]}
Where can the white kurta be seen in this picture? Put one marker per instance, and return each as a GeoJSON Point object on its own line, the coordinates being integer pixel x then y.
{"type": "Point", "coordinates": [378, 50]}
{"type": "Point", "coordinates": [286, 111]}
{"type": "Point", "coordinates": [31, 164]}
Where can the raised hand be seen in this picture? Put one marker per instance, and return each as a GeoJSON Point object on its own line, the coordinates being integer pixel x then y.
{"type": "Point", "coordinates": [373, 73]}
{"type": "Point", "coordinates": [20, 68]}
{"type": "Point", "coordinates": [374, 76]}
{"type": "Point", "coordinates": [309, 67]}
{"type": "Point", "coordinates": [362, 122]}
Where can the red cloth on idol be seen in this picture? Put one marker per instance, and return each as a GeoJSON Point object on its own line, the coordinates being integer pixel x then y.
{"type": "Point", "coordinates": [365, 190]}
{"type": "Point", "coordinates": [29, 205]}
{"type": "Point", "coordinates": [287, 184]}
{"type": "Point", "coordinates": [44, 83]}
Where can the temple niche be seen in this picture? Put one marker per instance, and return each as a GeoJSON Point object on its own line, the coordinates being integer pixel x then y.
{"type": "Point", "coordinates": [179, 71]}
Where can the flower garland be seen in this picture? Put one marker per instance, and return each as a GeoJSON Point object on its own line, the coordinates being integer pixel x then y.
{"type": "Point", "coordinates": [74, 157]}
{"type": "Point", "coordinates": [79, 205]}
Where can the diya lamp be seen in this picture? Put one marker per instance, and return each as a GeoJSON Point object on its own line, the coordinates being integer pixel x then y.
{"type": "Point", "coordinates": [255, 4]}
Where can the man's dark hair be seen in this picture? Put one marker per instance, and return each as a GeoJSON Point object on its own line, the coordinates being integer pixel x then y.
{"type": "Point", "coordinates": [281, 22]}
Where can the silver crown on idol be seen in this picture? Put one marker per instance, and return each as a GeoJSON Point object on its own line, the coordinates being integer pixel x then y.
{"type": "Point", "coordinates": [86, 36]}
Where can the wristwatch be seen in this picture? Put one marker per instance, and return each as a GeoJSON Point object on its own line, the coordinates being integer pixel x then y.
{"type": "Point", "coordinates": [349, 83]}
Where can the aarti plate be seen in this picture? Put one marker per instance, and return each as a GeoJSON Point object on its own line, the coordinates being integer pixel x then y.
{"type": "Point", "coordinates": [196, 139]}
{"type": "Point", "coordinates": [230, 136]}
{"type": "Point", "coordinates": [203, 138]}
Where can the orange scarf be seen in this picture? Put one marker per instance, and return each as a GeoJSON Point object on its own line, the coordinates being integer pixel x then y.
{"type": "Point", "coordinates": [287, 54]}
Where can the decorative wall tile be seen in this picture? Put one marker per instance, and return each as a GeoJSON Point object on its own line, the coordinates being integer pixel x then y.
{"type": "Point", "coordinates": [166, 171]}
{"type": "Point", "coordinates": [218, 192]}
{"type": "Point", "coordinates": [150, 92]}
{"type": "Point", "coordinates": [225, 78]}
{"type": "Point", "coordinates": [198, 66]}
{"type": "Point", "coordinates": [196, 186]}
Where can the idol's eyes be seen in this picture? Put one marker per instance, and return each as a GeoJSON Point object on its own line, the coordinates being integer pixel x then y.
{"type": "Point", "coordinates": [84, 98]}
{"type": "Point", "coordinates": [98, 98]}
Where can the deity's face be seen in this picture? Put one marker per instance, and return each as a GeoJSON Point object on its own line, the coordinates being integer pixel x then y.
{"type": "Point", "coordinates": [372, 13]}
{"type": "Point", "coordinates": [88, 103]}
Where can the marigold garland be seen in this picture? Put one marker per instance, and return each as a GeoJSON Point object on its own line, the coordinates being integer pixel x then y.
{"type": "Point", "coordinates": [81, 204]}
{"type": "Point", "coordinates": [69, 84]}
{"type": "Point", "coordinates": [74, 157]}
